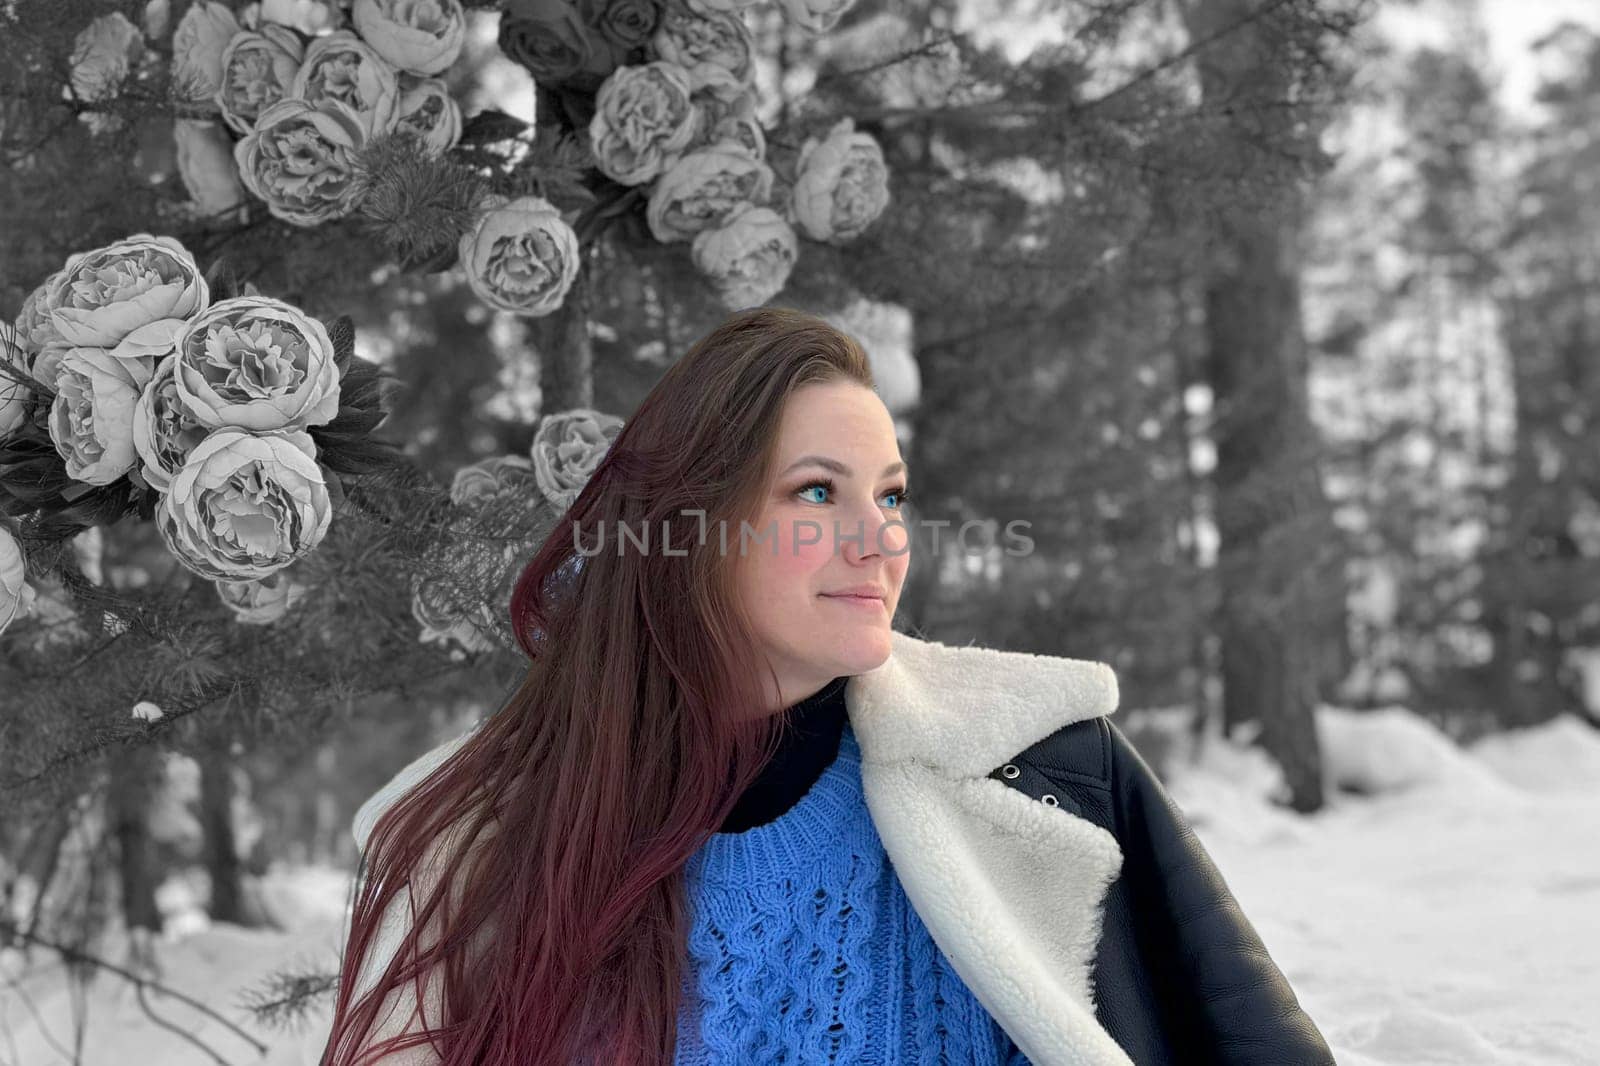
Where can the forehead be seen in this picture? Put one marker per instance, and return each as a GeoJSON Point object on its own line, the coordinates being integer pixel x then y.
{"type": "Point", "coordinates": [835, 416]}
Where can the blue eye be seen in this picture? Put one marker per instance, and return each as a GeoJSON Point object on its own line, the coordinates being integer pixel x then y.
{"type": "Point", "coordinates": [899, 494]}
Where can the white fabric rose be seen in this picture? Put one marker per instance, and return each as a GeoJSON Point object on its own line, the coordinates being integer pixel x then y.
{"type": "Point", "coordinates": [699, 44]}
{"type": "Point", "coordinates": [816, 16]}
{"type": "Point", "coordinates": [260, 601]}
{"type": "Point", "coordinates": [703, 189]}
{"type": "Point", "coordinates": [428, 111]}
{"type": "Point", "coordinates": [246, 505]}
{"type": "Point", "coordinates": [102, 54]}
{"type": "Point", "coordinates": [16, 595]}
{"type": "Point", "coordinates": [13, 394]}
{"type": "Point", "coordinates": [91, 418]}
{"type": "Point", "coordinates": [257, 70]}
{"type": "Point", "coordinates": [343, 67]}
{"type": "Point", "coordinates": [197, 46]}
{"type": "Point", "coordinates": [567, 447]}
{"type": "Point", "coordinates": [256, 363]}
{"type": "Point", "coordinates": [842, 184]}
{"type": "Point", "coordinates": [300, 160]}
{"type": "Point", "coordinates": [489, 477]}
{"type": "Point", "coordinates": [205, 163]}
{"type": "Point", "coordinates": [643, 121]}
{"type": "Point", "coordinates": [521, 256]}
{"type": "Point", "coordinates": [727, 108]}
{"type": "Point", "coordinates": [749, 258]}
{"type": "Point", "coordinates": [130, 297]}
{"type": "Point", "coordinates": [420, 36]}
{"type": "Point", "coordinates": [164, 432]}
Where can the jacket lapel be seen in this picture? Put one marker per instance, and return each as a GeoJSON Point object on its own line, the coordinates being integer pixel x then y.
{"type": "Point", "coordinates": [1011, 890]}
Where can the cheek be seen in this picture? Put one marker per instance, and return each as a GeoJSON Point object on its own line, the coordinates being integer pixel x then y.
{"type": "Point", "coordinates": [802, 550]}
{"type": "Point", "coordinates": [787, 570]}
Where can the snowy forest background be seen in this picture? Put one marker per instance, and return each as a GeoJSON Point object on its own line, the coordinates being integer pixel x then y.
{"type": "Point", "coordinates": [1277, 319]}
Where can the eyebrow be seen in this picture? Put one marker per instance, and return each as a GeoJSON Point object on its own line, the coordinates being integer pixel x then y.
{"type": "Point", "coordinates": [836, 466]}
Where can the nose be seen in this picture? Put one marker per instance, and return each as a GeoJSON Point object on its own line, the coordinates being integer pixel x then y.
{"type": "Point", "coordinates": [870, 532]}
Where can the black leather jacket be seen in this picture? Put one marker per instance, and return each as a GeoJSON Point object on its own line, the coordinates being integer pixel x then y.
{"type": "Point", "coordinates": [1180, 976]}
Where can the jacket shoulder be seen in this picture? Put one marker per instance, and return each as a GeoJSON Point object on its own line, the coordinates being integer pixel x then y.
{"type": "Point", "coordinates": [1074, 767]}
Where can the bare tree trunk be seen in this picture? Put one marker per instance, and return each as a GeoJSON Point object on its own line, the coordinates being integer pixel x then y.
{"type": "Point", "coordinates": [1277, 571]}
{"type": "Point", "coordinates": [566, 352]}
{"type": "Point", "coordinates": [135, 774]}
{"type": "Point", "coordinates": [221, 846]}
{"type": "Point", "coordinates": [39, 857]}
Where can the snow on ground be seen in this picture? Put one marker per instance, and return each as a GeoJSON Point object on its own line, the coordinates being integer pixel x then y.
{"type": "Point", "coordinates": [1443, 909]}
{"type": "Point", "coordinates": [1452, 917]}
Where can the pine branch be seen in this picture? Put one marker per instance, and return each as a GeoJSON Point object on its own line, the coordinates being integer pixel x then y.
{"type": "Point", "coordinates": [285, 998]}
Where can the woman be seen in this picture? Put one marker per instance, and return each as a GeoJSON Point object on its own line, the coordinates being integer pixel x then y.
{"type": "Point", "coordinates": [950, 856]}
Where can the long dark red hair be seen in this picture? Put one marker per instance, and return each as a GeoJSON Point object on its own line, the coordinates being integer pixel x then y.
{"type": "Point", "coordinates": [542, 863]}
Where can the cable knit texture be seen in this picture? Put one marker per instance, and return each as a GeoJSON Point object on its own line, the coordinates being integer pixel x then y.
{"type": "Point", "coordinates": [803, 948]}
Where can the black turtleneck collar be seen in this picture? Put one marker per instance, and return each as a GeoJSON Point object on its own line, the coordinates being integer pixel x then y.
{"type": "Point", "coordinates": [807, 744]}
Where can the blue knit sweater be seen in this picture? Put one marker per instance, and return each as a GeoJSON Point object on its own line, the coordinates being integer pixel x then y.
{"type": "Point", "coordinates": [804, 949]}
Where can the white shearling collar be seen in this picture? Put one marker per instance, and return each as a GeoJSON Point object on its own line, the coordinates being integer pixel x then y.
{"type": "Point", "coordinates": [1011, 889]}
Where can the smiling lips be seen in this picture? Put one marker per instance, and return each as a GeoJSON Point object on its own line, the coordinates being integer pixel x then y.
{"type": "Point", "coordinates": [860, 595]}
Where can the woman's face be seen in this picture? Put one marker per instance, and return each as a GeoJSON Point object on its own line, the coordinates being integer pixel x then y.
{"type": "Point", "coordinates": [831, 522]}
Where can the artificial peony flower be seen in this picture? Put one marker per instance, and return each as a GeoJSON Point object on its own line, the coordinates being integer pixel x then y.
{"type": "Point", "coordinates": [727, 109]}
{"type": "Point", "coordinates": [567, 447]}
{"type": "Point", "coordinates": [13, 394]}
{"type": "Point", "coordinates": [699, 43]}
{"type": "Point", "coordinates": [205, 163]}
{"type": "Point", "coordinates": [489, 477]}
{"type": "Point", "coordinates": [748, 258]}
{"type": "Point", "coordinates": [260, 601]}
{"type": "Point", "coordinates": [246, 505]}
{"type": "Point", "coordinates": [300, 160]}
{"type": "Point", "coordinates": [842, 184]}
{"type": "Point", "coordinates": [521, 256]}
{"type": "Point", "coordinates": [91, 417]}
{"type": "Point", "coordinates": [164, 432]}
{"type": "Point", "coordinates": [197, 46]}
{"type": "Point", "coordinates": [256, 71]}
{"type": "Point", "coordinates": [419, 36]}
{"type": "Point", "coordinates": [35, 329]}
{"type": "Point", "coordinates": [16, 595]}
{"type": "Point", "coordinates": [643, 121]}
{"type": "Point", "coordinates": [428, 112]}
{"type": "Point", "coordinates": [703, 189]}
{"type": "Point", "coordinates": [627, 24]}
{"type": "Point", "coordinates": [551, 39]}
{"type": "Point", "coordinates": [102, 54]}
{"type": "Point", "coordinates": [259, 364]}
{"type": "Point", "coordinates": [444, 621]}
{"type": "Point", "coordinates": [130, 297]}
{"type": "Point", "coordinates": [343, 67]}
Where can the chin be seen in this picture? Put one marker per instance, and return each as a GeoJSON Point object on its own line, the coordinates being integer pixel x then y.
{"type": "Point", "coordinates": [866, 650]}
